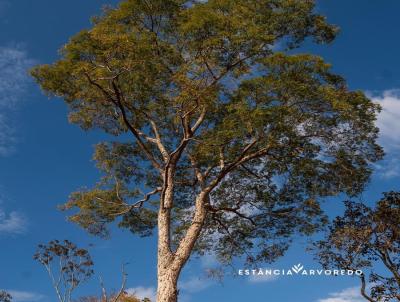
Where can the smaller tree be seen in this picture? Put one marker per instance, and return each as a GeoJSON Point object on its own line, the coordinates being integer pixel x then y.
{"type": "Point", "coordinates": [67, 265]}
{"type": "Point", "coordinates": [120, 297]}
{"type": "Point", "coordinates": [367, 239]}
{"type": "Point", "coordinates": [5, 296]}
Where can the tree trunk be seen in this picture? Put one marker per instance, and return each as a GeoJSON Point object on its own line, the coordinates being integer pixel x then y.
{"type": "Point", "coordinates": [167, 277]}
{"type": "Point", "coordinates": [167, 290]}
{"type": "Point", "coordinates": [169, 264]}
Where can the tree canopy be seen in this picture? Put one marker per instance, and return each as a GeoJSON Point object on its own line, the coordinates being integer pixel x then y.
{"type": "Point", "coordinates": [67, 266]}
{"type": "Point", "coordinates": [367, 238]}
{"type": "Point", "coordinates": [217, 121]}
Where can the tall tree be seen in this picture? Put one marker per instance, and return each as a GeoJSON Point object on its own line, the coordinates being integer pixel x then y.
{"type": "Point", "coordinates": [367, 239]}
{"type": "Point", "coordinates": [220, 135]}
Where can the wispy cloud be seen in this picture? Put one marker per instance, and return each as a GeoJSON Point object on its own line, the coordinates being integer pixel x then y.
{"type": "Point", "coordinates": [3, 6]}
{"type": "Point", "coordinates": [143, 292]}
{"type": "Point", "coordinates": [187, 287]}
{"type": "Point", "coordinates": [389, 167]}
{"type": "Point", "coordinates": [262, 278]}
{"type": "Point", "coordinates": [389, 122]}
{"type": "Point", "coordinates": [351, 294]}
{"type": "Point", "coordinates": [12, 223]}
{"type": "Point", "coordinates": [23, 296]}
{"type": "Point", "coordinates": [389, 119]}
{"type": "Point", "coordinates": [14, 80]}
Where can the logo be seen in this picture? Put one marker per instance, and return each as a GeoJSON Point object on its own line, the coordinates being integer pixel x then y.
{"type": "Point", "coordinates": [298, 269]}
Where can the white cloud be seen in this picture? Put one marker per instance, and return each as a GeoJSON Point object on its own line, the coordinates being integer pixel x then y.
{"type": "Point", "coordinates": [13, 63]}
{"type": "Point", "coordinates": [389, 167]}
{"type": "Point", "coordinates": [389, 119]}
{"type": "Point", "coordinates": [22, 296]}
{"type": "Point", "coordinates": [12, 223]}
{"type": "Point", "coordinates": [187, 287]}
{"type": "Point", "coordinates": [351, 294]}
{"type": "Point", "coordinates": [262, 278]}
{"type": "Point", "coordinates": [14, 80]}
{"type": "Point", "coordinates": [143, 292]}
{"type": "Point", "coordinates": [7, 136]}
{"type": "Point", "coordinates": [389, 124]}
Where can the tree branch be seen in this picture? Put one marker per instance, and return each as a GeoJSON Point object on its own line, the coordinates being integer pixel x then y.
{"type": "Point", "coordinates": [363, 289]}
{"type": "Point", "coordinates": [139, 203]}
{"type": "Point", "coordinates": [242, 158]}
{"type": "Point", "coordinates": [187, 243]}
{"type": "Point", "coordinates": [123, 284]}
{"type": "Point", "coordinates": [118, 102]}
{"type": "Point", "coordinates": [232, 210]}
{"type": "Point", "coordinates": [134, 131]}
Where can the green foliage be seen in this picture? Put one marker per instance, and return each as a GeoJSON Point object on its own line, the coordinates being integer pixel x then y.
{"type": "Point", "coordinates": [204, 94]}
{"type": "Point", "coordinates": [366, 238]}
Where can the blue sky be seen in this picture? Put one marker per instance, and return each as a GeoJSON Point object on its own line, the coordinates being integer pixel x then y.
{"type": "Point", "coordinates": [43, 158]}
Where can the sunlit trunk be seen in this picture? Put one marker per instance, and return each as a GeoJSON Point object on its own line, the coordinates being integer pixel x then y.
{"type": "Point", "coordinates": [167, 290]}
{"type": "Point", "coordinates": [167, 275]}
{"type": "Point", "coordinates": [169, 264]}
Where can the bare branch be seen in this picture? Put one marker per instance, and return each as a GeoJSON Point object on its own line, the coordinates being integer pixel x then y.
{"type": "Point", "coordinates": [242, 158]}
{"type": "Point", "coordinates": [123, 284]}
{"type": "Point", "coordinates": [221, 158]}
{"type": "Point", "coordinates": [118, 102]}
{"type": "Point", "coordinates": [139, 203]}
{"type": "Point", "coordinates": [199, 120]}
{"type": "Point", "coordinates": [103, 290]}
{"type": "Point", "coordinates": [363, 289]}
{"type": "Point", "coordinates": [197, 171]}
{"type": "Point", "coordinates": [134, 131]}
{"type": "Point", "coordinates": [232, 210]}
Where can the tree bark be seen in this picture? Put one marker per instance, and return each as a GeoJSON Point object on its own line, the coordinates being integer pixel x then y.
{"type": "Point", "coordinates": [167, 290]}
{"type": "Point", "coordinates": [170, 264]}
{"type": "Point", "coordinates": [167, 277]}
